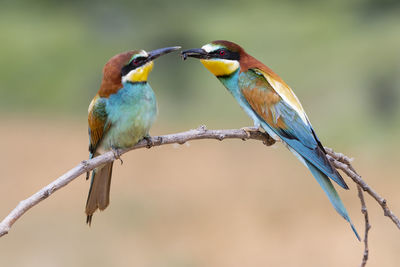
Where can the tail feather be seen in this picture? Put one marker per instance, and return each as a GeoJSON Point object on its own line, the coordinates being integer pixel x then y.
{"type": "Point", "coordinates": [333, 196]}
{"type": "Point", "coordinates": [99, 192]}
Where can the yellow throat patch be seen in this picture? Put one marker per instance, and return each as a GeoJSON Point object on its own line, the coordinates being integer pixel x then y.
{"type": "Point", "coordinates": [220, 67]}
{"type": "Point", "coordinates": [140, 74]}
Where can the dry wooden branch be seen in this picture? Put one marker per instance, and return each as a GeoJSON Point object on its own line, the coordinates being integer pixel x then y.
{"type": "Point", "coordinates": [88, 165]}
{"type": "Point", "coordinates": [343, 162]}
{"type": "Point", "coordinates": [338, 160]}
{"type": "Point", "coordinates": [367, 226]}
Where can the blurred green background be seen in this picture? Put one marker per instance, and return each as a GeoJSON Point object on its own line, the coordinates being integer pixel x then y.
{"type": "Point", "coordinates": [342, 58]}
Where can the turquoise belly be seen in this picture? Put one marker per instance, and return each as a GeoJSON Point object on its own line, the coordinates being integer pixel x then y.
{"type": "Point", "coordinates": [131, 112]}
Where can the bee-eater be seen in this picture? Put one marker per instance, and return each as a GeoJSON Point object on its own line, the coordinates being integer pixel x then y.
{"type": "Point", "coordinates": [120, 115]}
{"type": "Point", "coordinates": [273, 106]}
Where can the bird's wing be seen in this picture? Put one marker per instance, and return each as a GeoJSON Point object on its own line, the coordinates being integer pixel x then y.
{"type": "Point", "coordinates": [97, 120]}
{"type": "Point", "coordinates": [276, 104]}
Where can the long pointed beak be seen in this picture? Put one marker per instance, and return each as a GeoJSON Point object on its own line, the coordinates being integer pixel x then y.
{"type": "Point", "coordinates": [195, 52]}
{"type": "Point", "coordinates": [162, 51]}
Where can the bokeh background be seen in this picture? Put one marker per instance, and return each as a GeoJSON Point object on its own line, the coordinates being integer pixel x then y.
{"type": "Point", "coordinates": [207, 203]}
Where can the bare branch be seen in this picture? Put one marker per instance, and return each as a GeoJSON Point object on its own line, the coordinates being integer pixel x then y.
{"type": "Point", "coordinates": [367, 226]}
{"type": "Point", "coordinates": [88, 165]}
{"type": "Point", "coordinates": [338, 160]}
{"type": "Point", "coordinates": [343, 162]}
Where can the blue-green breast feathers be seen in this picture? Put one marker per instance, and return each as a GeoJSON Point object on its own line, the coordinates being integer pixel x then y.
{"type": "Point", "coordinates": [123, 118]}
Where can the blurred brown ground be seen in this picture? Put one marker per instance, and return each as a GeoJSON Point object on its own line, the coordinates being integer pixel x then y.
{"type": "Point", "coordinates": [208, 203]}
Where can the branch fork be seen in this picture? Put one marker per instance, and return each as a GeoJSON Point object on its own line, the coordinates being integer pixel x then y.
{"type": "Point", "coordinates": [338, 160]}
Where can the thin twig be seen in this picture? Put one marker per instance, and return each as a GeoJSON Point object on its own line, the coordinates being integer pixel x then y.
{"type": "Point", "coordinates": [338, 160]}
{"type": "Point", "coordinates": [343, 162]}
{"type": "Point", "coordinates": [88, 165]}
{"type": "Point", "coordinates": [367, 226]}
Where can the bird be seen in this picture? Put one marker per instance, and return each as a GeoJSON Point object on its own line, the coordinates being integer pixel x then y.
{"type": "Point", "coordinates": [119, 116]}
{"type": "Point", "coordinates": [273, 106]}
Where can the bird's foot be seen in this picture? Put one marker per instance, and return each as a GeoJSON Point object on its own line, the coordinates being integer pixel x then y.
{"type": "Point", "coordinates": [149, 141]}
{"type": "Point", "coordinates": [85, 164]}
{"type": "Point", "coordinates": [248, 130]}
{"type": "Point", "coordinates": [269, 141]}
{"type": "Point", "coordinates": [117, 154]}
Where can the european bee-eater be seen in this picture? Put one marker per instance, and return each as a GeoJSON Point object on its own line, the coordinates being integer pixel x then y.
{"type": "Point", "coordinates": [120, 115]}
{"type": "Point", "coordinates": [273, 106]}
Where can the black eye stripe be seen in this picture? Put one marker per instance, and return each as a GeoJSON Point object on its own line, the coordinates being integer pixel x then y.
{"type": "Point", "coordinates": [133, 64]}
{"type": "Point", "coordinates": [125, 70]}
{"type": "Point", "coordinates": [137, 60]}
{"type": "Point", "coordinates": [224, 53]}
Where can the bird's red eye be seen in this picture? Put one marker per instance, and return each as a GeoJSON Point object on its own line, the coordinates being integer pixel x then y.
{"type": "Point", "coordinates": [222, 53]}
{"type": "Point", "coordinates": [135, 61]}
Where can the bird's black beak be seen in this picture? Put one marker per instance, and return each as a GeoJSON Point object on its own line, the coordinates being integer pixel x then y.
{"type": "Point", "coordinates": [195, 52]}
{"type": "Point", "coordinates": [162, 51]}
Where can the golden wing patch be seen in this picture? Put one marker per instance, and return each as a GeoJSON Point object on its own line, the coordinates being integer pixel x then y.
{"type": "Point", "coordinates": [285, 92]}
{"type": "Point", "coordinates": [263, 103]}
{"type": "Point", "coordinates": [96, 119]}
